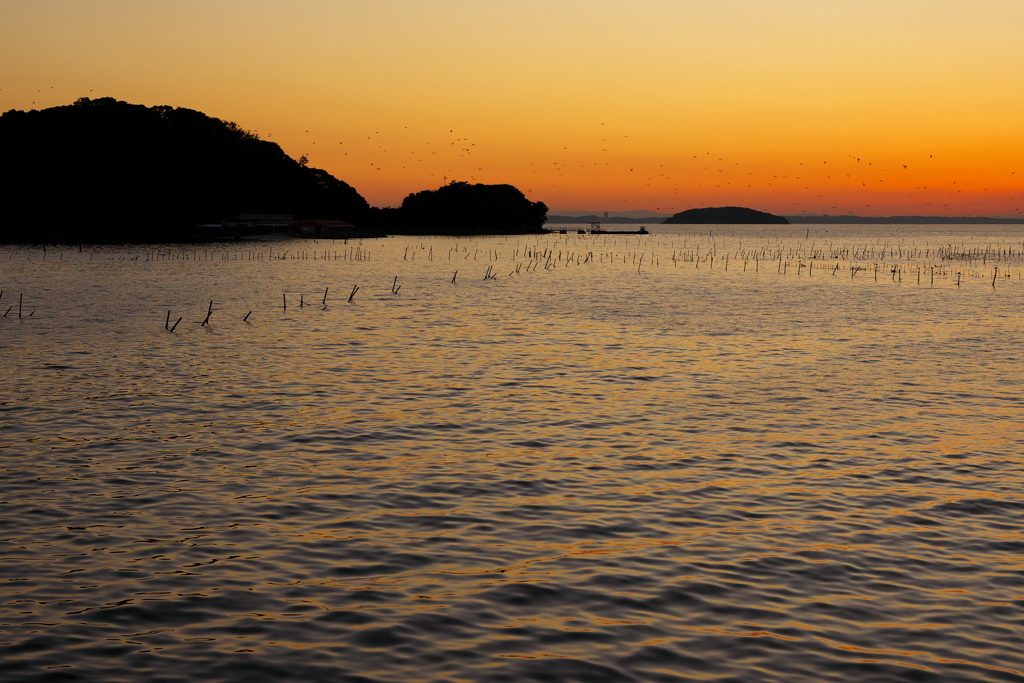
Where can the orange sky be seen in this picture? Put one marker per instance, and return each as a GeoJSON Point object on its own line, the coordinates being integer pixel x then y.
{"type": "Point", "coordinates": [589, 104]}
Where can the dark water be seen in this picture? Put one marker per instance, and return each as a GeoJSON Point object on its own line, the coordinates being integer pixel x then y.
{"type": "Point", "coordinates": [591, 471]}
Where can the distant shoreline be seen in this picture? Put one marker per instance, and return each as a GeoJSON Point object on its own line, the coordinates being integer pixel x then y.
{"type": "Point", "coordinates": [821, 220]}
{"type": "Point", "coordinates": [903, 220]}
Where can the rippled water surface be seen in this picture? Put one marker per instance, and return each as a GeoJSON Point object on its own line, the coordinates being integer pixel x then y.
{"type": "Point", "coordinates": [677, 457]}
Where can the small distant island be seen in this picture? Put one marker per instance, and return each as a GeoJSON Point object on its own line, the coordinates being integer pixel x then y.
{"type": "Point", "coordinates": [103, 170]}
{"type": "Point", "coordinates": [730, 215]}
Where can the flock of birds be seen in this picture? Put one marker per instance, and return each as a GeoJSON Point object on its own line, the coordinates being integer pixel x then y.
{"type": "Point", "coordinates": [849, 177]}
{"type": "Point", "coordinates": [608, 163]}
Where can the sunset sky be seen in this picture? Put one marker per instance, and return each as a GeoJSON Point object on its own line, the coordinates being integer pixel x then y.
{"type": "Point", "coordinates": [789, 106]}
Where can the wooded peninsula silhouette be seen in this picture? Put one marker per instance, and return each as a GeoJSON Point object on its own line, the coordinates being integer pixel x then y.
{"type": "Point", "coordinates": [104, 170]}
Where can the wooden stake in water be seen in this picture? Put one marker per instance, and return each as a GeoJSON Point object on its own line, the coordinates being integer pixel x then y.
{"type": "Point", "coordinates": [167, 323]}
{"type": "Point", "coordinates": [326, 289]}
{"type": "Point", "coordinates": [209, 311]}
{"type": "Point", "coordinates": [246, 318]}
{"type": "Point", "coordinates": [355, 288]}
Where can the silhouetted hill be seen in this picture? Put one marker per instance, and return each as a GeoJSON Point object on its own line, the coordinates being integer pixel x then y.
{"type": "Point", "coordinates": [461, 208]}
{"type": "Point", "coordinates": [724, 214]}
{"type": "Point", "coordinates": [106, 170]}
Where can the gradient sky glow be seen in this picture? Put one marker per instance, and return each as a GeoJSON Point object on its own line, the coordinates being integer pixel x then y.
{"type": "Point", "coordinates": [789, 106]}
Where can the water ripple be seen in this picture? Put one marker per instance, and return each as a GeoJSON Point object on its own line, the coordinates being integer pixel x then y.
{"type": "Point", "coordinates": [579, 474]}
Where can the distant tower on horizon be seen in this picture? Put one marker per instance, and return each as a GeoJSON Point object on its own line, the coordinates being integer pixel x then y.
{"type": "Point", "coordinates": [606, 215]}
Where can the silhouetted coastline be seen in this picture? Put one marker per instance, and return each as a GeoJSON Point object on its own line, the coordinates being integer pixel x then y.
{"type": "Point", "coordinates": [104, 170]}
{"type": "Point", "coordinates": [109, 171]}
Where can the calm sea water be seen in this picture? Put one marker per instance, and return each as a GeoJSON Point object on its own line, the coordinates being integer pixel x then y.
{"type": "Point", "coordinates": [684, 456]}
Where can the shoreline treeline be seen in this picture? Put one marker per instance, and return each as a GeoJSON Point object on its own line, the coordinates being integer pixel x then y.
{"type": "Point", "coordinates": [104, 170]}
